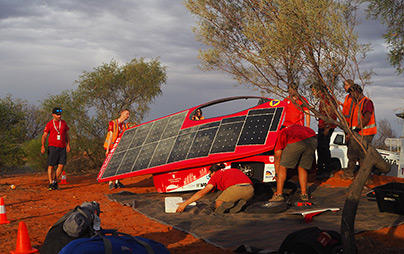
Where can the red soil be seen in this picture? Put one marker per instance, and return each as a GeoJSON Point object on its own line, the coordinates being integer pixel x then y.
{"type": "Point", "coordinates": [39, 208]}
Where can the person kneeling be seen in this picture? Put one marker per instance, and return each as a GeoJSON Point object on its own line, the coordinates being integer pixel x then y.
{"type": "Point", "coordinates": [236, 186]}
{"type": "Point", "coordinates": [294, 146]}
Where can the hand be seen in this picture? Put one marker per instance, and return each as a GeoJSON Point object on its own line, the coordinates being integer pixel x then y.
{"type": "Point", "coordinates": [181, 207]}
{"type": "Point", "coordinates": [68, 148]}
{"type": "Point", "coordinates": [42, 149]}
{"type": "Point", "coordinates": [106, 152]}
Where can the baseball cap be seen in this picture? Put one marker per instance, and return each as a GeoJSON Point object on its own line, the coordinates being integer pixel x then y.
{"type": "Point", "coordinates": [57, 111]}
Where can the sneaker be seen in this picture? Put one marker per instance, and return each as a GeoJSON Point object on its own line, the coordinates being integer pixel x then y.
{"type": "Point", "coordinates": [238, 207]}
{"type": "Point", "coordinates": [304, 197]}
{"type": "Point", "coordinates": [118, 184]}
{"type": "Point", "coordinates": [224, 207]}
{"type": "Point", "coordinates": [277, 198]}
{"type": "Point", "coordinates": [303, 201]}
{"type": "Point", "coordinates": [55, 185]}
{"type": "Point", "coordinates": [50, 186]}
{"type": "Point", "coordinates": [111, 185]}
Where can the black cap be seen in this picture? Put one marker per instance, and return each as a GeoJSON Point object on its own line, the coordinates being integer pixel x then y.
{"type": "Point", "coordinates": [57, 111]}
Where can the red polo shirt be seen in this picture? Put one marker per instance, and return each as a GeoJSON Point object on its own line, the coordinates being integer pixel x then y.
{"type": "Point", "coordinates": [292, 134]}
{"type": "Point", "coordinates": [225, 178]}
{"type": "Point", "coordinates": [55, 128]}
{"type": "Point", "coordinates": [294, 115]}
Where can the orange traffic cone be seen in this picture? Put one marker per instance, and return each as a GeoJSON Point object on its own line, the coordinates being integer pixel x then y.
{"type": "Point", "coordinates": [23, 242]}
{"type": "Point", "coordinates": [3, 216]}
{"type": "Point", "coordinates": [64, 179]}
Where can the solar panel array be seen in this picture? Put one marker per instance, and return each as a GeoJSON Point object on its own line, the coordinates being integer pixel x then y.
{"type": "Point", "coordinates": [162, 141]}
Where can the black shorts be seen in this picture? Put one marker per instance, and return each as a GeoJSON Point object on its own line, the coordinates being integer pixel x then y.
{"type": "Point", "coordinates": [56, 156]}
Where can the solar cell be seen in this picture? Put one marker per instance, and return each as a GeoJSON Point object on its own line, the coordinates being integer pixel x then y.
{"type": "Point", "coordinates": [162, 141]}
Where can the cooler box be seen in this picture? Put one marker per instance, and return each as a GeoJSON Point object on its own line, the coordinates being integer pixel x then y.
{"type": "Point", "coordinates": [390, 198]}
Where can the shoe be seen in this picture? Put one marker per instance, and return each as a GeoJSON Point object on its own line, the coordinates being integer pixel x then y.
{"type": "Point", "coordinates": [50, 186]}
{"type": "Point", "coordinates": [277, 198]}
{"type": "Point", "coordinates": [238, 207]}
{"type": "Point", "coordinates": [111, 185]}
{"type": "Point", "coordinates": [119, 185]}
{"type": "Point", "coordinates": [303, 201]}
{"type": "Point", "coordinates": [224, 207]}
{"type": "Point", "coordinates": [55, 185]}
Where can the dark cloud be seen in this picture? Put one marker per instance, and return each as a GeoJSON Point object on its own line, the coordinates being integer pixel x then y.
{"type": "Point", "coordinates": [46, 45]}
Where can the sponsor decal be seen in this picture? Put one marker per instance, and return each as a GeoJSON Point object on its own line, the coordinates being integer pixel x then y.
{"type": "Point", "coordinates": [274, 103]}
{"type": "Point", "coordinates": [271, 159]}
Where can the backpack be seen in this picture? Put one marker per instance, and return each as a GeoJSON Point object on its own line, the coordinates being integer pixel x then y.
{"type": "Point", "coordinates": [113, 242]}
{"type": "Point", "coordinates": [79, 222]}
{"type": "Point", "coordinates": [312, 241]}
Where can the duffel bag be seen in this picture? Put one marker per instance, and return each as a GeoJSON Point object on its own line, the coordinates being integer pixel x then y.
{"type": "Point", "coordinates": [111, 242]}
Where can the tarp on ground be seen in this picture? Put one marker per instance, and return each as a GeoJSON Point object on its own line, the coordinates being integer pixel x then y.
{"type": "Point", "coordinates": [263, 231]}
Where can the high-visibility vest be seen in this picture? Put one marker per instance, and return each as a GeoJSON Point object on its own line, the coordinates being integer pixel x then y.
{"type": "Point", "coordinates": [356, 120]}
{"type": "Point", "coordinates": [347, 108]}
{"type": "Point", "coordinates": [115, 133]}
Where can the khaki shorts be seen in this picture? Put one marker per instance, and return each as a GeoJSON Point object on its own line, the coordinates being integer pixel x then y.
{"type": "Point", "coordinates": [236, 192]}
{"type": "Point", "coordinates": [299, 154]}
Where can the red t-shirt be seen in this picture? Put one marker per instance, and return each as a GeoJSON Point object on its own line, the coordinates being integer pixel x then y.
{"type": "Point", "coordinates": [225, 178]}
{"type": "Point", "coordinates": [121, 127]}
{"type": "Point", "coordinates": [367, 106]}
{"type": "Point", "coordinates": [55, 128]}
{"type": "Point", "coordinates": [294, 115]}
{"type": "Point", "coordinates": [324, 104]}
{"type": "Point", "coordinates": [292, 134]}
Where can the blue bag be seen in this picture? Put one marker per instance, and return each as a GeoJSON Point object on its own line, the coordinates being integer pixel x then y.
{"type": "Point", "coordinates": [111, 242]}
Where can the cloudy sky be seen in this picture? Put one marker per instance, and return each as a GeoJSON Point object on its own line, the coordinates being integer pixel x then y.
{"type": "Point", "coordinates": [46, 45]}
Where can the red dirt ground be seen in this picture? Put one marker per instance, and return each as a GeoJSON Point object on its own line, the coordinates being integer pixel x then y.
{"type": "Point", "coordinates": [39, 208]}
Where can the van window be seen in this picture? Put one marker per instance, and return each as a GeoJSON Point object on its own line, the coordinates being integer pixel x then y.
{"type": "Point", "coordinates": [339, 139]}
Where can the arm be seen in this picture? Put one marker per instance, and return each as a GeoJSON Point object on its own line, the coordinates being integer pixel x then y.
{"type": "Point", "coordinates": [277, 161]}
{"type": "Point", "coordinates": [43, 139]}
{"type": "Point", "coordinates": [67, 142]}
{"type": "Point", "coordinates": [366, 118]}
{"type": "Point", "coordinates": [195, 197]}
{"type": "Point", "coordinates": [307, 115]}
{"type": "Point", "coordinates": [108, 142]}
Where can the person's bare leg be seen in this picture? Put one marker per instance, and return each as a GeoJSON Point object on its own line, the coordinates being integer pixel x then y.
{"type": "Point", "coordinates": [281, 178]}
{"type": "Point", "coordinates": [50, 174]}
{"type": "Point", "coordinates": [59, 171]}
{"type": "Point", "coordinates": [302, 179]}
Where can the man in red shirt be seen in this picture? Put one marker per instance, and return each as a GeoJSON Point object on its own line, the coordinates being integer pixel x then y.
{"type": "Point", "coordinates": [295, 114]}
{"type": "Point", "coordinates": [294, 147]}
{"type": "Point", "coordinates": [58, 145]}
{"type": "Point", "coordinates": [325, 130]}
{"type": "Point", "coordinates": [236, 186]}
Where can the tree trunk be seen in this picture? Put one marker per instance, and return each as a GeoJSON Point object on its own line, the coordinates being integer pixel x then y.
{"type": "Point", "coordinates": [372, 159]}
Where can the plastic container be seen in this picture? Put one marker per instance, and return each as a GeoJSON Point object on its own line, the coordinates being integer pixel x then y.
{"type": "Point", "coordinates": [390, 198]}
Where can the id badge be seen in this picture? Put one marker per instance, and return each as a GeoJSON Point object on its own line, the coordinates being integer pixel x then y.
{"type": "Point", "coordinates": [58, 137]}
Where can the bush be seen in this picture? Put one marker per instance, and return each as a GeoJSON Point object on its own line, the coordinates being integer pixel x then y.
{"type": "Point", "coordinates": [34, 158]}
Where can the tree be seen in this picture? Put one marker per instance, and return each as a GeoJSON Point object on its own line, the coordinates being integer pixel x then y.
{"type": "Point", "coordinates": [12, 133]}
{"type": "Point", "coordinates": [274, 45]}
{"type": "Point", "coordinates": [99, 97]}
{"type": "Point", "coordinates": [384, 131]}
{"type": "Point", "coordinates": [391, 14]}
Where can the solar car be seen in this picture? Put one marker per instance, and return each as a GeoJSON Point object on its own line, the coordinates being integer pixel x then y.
{"type": "Point", "coordinates": [178, 149]}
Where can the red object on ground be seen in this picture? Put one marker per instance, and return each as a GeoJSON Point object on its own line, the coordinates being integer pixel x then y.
{"type": "Point", "coordinates": [3, 216]}
{"type": "Point", "coordinates": [64, 179]}
{"type": "Point", "coordinates": [23, 242]}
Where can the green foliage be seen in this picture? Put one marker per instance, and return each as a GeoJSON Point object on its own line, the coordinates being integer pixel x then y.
{"type": "Point", "coordinates": [277, 44]}
{"type": "Point", "coordinates": [12, 135]}
{"type": "Point", "coordinates": [391, 14]}
{"type": "Point", "coordinates": [99, 98]}
{"type": "Point", "coordinates": [33, 156]}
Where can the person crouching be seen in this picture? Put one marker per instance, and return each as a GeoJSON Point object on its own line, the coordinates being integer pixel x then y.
{"type": "Point", "coordinates": [236, 186]}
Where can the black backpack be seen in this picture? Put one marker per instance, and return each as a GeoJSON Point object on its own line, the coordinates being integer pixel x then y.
{"type": "Point", "coordinates": [312, 241]}
{"type": "Point", "coordinates": [75, 224]}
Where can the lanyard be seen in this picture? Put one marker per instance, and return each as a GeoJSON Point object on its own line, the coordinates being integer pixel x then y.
{"type": "Point", "coordinates": [60, 121]}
